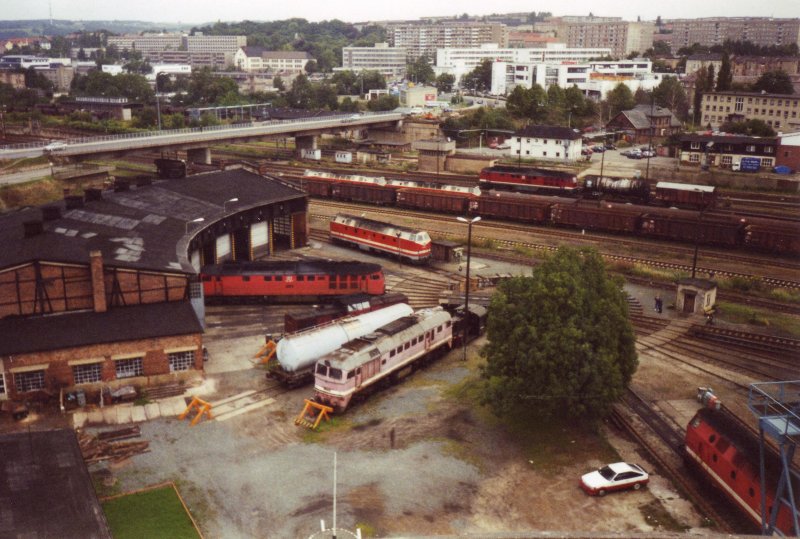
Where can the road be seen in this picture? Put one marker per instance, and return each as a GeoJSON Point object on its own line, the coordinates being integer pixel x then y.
{"type": "Point", "coordinates": [26, 175]}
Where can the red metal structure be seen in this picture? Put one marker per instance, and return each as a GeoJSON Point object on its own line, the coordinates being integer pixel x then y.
{"type": "Point", "coordinates": [289, 281]}
{"type": "Point", "coordinates": [412, 245]}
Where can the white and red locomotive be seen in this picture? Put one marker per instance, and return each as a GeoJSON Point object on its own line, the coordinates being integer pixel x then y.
{"type": "Point", "coordinates": [359, 365]}
{"type": "Point", "coordinates": [409, 244]}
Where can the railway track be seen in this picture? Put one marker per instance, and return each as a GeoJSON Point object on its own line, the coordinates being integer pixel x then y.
{"type": "Point", "coordinates": [548, 247]}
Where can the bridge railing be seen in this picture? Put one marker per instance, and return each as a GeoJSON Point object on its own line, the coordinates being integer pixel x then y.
{"type": "Point", "coordinates": [193, 130]}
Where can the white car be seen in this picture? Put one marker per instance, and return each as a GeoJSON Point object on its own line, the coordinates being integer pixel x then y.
{"type": "Point", "coordinates": [617, 476]}
{"type": "Point", "coordinates": [55, 146]}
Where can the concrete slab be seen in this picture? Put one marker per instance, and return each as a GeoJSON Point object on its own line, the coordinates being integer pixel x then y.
{"type": "Point", "coordinates": [172, 407]}
{"type": "Point", "coordinates": [137, 414]}
{"type": "Point", "coordinates": [248, 408]}
{"type": "Point", "coordinates": [152, 411]}
{"type": "Point", "coordinates": [110, 415]}
{"type": "Point", "coordinates": [95, 416]}
{"type": "Point", "coordinates": [78, 420]}
{"type": "Point", "coordinates": [124, 414]}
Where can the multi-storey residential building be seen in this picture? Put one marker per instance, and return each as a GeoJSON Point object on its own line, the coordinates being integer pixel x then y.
{"type": "Point", "coordinates": [214, 60]}
{"type": "Point", "coordinates": [622, 37]}
{"type": "Point", "coordinates": [779, 111]}
{"type": "Point", "coordinates": [697, 61]}
{"type": "Point", "coordinates": [388, 61]}
{"type": "Point", "coordinates": [148, 42]}
{"type": "Point", "coordinates": [259, 59]}
{"type": "Point", "coordinates": [529, 39]}
{"type": "Point", "coordinates": [458, 62]}
{"type": "Point", "coordinates": [595, 78]}
{"type": "Point", "coordinates": [225, 44]}
{"type": "Point", "coordinates": [750, 68]}
{"type": "Point", "coordinates": [715, 30]}
{"type": "Point", "coordinates": [424, 39]}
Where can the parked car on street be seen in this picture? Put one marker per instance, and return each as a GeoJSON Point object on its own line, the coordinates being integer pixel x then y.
{"type": "Point", "coordinates": [55, 146]}
{"type": "Point", "coordinates": [612, 477]}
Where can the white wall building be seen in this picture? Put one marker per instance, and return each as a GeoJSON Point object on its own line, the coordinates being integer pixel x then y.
{"type": "Point", "coordinates": [546, 142]}
{"type": "Point", "coordinates": [459, 62]}
{"type": "Point", "coordinates": [169, 69]}
{"type": "Point", "coordinates": [111, 69]}
{"type": "Point", "coordinates": [252, 59]}
{"type": "Point", "coordinates": [595, 79]}
{"type": "Point", "coordinates": [388, 61]}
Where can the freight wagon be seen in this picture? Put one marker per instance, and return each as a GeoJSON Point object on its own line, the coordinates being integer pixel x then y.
{"type": "Point", "coordinates": [691, 226]}
{"type": "Point", "coordinates": [685, 195]}
{"type": "Point", "coordinates": [516, 206]}
{"type": "Point", "coordinates": [593, 216]}
{"type": "Point", "coordinates": [339, 308]}
{"type": "Point", "coordinates": [772, 235]}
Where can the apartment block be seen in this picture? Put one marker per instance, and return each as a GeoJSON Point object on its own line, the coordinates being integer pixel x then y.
{"type": "Point", "coordinates": [622, 37]}
{"type": "Point", "coordinates": [147, 43]}
{"type": "Point", "coordinates": [424, 39]}
{"type": "Point", "coordinates": [259, 59]}
{"type": "Point", "coordinates": [388, 61]}
{"type": "Point", "coordinates": [715, 30]}
{"type": "Point", "coordinates": [779, 111]}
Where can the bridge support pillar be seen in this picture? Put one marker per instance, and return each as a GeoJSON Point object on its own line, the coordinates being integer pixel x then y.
{"type": "Point", "coordinates": [199, 155]}
{"type": "Point", "coordinates": [305, 142]}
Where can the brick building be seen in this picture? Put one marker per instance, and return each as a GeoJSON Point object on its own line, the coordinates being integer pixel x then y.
{"type": "Point", "coordinates": [726, 150]}
{"type": "Point", "coordinates": [779, 111]}
{"type": "Point", "coordinates": [100, 290]}
{"type": "Point", "coordinates": [645, 121]}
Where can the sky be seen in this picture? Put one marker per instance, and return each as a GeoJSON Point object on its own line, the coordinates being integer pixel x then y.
{"type": "Point", "coordinates": [197, 11]}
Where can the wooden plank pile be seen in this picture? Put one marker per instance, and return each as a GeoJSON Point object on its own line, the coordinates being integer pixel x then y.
{"type": "Point", "coordinates": [107, 445]}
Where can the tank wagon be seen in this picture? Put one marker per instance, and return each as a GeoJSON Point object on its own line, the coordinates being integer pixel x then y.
{"type": "Point", "coordinates": [289, 281]}
{"type": "Point", "coordinates": [408, 244]}
{"type": "Point", "coordinates": [360, 365]}
{"type": "Point", "coordinates": [339, 308]}
{"type": "Point", "coordinates": [633, 189]}
{"type": "Point", "coordinates": [297, 353]}
{"type": "Point", "coordinates": [728, 455]}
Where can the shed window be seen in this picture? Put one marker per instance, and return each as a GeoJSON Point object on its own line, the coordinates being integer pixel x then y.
{"type": "Point", "coordinates": [181, 361]}
{"type": "Point", "coordinates": [29, 381]}
{"type": "Point", "coordinates": [128, 368]}
{"type": "Point", "coordinates": [87, 374]}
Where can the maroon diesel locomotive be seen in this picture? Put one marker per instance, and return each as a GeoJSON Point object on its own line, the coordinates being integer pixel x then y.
{"type": "Point", "coordinates": [531, 180]}
{"type": "Point", "coordinates": [290, 281]}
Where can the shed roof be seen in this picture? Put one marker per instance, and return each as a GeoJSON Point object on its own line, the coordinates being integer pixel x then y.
{"type": "Point", "coordinates": [56, 332]}
{"type": "Point", "coordinates": [549, 132]}
{"type": "Point", "coordinates": [138, 228]}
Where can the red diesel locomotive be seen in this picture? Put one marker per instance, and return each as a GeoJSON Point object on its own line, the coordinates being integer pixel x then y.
{"type": "Point", "coordinates": [727, 453]}
{"type": "Point", "coordinates": [412, 245]}
{"type": "Point", "coordinates": [290, 281]}
{"type": "Point", "coordinates": [529, 180]}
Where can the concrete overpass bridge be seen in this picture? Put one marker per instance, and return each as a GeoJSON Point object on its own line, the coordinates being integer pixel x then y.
{"type": "Point", "coordinates": [197, 141]}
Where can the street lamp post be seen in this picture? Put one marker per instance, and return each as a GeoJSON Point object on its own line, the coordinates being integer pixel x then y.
{"type": "Point", "coordinates": [198, 220]}
{"type": "Point", "coordinates": [469, 222]}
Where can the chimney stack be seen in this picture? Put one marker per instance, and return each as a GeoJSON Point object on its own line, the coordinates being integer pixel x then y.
{"type": "Point", "coordinates": [98, 282]}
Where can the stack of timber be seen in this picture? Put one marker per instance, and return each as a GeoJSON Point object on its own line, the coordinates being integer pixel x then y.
{"type": "Point", "coordinates": [107, 445]}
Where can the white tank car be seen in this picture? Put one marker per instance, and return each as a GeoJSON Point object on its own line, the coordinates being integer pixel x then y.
{"type": "Point", "coordinates": [302, 349]}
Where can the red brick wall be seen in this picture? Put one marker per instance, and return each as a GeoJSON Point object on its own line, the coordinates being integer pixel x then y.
{"type": "Point", "coordinates": [155, 364]}
{"type": "Point", "coordinates": [789, 156]}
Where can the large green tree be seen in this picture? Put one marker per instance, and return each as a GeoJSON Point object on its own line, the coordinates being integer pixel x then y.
{"type": "Point", "coordinates": [725, 75]}
{"type": "Point", "coordinates": [420, 71]}
{"type": "Point", "coordinates": [480, 78]}
{"type": "Point", "coordinates": [670, 94]}
{"type": "Point", "coordinates": [560, 342]}
{"type": "Point", "coordinates": [619, 99]}
{"type": "Point", "coordinates": [774, 82]}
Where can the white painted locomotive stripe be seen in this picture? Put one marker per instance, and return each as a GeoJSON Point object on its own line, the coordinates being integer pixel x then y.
{"type": "Point", "coordinates": [724, 486]}
{"type": "Point", "coordinates": [356, 239]}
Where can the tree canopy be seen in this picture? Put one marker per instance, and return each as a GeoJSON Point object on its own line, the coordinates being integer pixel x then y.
{"type": "Point", "coordinates": [420, 71]}
{"type": "Point", "coordinates": [560, 340]}
{"type": "Point", "coordinates": [670, 94]}
{"type": "Point", "coordinates": [619, 99]}
{"type": "Point", "coordinates": [480, 78]}
{"type": "Point", "coordinates": [753, 127]}
{"type": "Point", "coordinates": [774, 82]}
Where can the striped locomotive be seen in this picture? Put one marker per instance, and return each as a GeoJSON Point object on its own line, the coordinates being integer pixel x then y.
{"type": "Point", "coordinates": [290, 281]}
{"type": "Point", "coordinates": [357, 367]}
{"type": "Point", "coordinates": [409, 244]}
{"type": "Point", "coordinates": [531, 180]}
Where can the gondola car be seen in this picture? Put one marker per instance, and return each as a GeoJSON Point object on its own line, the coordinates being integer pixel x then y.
{"type": "Point", "coordinates": [605, 216]}
{"type": "Point", "coordinates": [522, 207]}
{"type": "Point", "coordinates": [289, 281]}
{"type": "Point", "coordinates": [773, 235]}
{"type": "Point", "coordinates": [453, 200]}
{"type": "Point", "coordinates": [359, 366]}
{"type": "Point", "coordinates": [692, 226]}
{"type": "Point", "coordinates": [530, 180]}
{"type": "Point", "coordinates": [408, 244]}
{"type": "Point", "coordinates": [729, 456]}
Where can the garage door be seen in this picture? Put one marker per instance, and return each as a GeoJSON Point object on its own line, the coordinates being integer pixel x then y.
{"type": "Point", "coordinates": [259, 239]}
{"type": "Point", "coordinates": [223, 246]}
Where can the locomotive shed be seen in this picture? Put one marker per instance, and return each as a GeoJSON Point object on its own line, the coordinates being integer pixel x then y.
{"type": "Point", "coordinates": [119, 267]}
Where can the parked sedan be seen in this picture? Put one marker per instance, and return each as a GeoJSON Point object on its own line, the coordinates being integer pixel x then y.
{"type": "Point", "coordinates": [617, 476]}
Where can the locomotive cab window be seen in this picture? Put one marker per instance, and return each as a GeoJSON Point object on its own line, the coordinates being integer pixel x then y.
{"type": "Point", "coordinates": [301, 278]}
{"type": "Point", "coordinates": [351, 374]}
{"type": "Point", "coordinates": [268, 278]}
{"type": "Point", "coordinates": [279, 277]}
{"type": "Point", "coordinates": [245, 278]}
{"type": "Point", "coordinates": [206, 278]}
{"type": "Point", "coordinates": [334, 373]}
{"type": "Point", "coordinates": [322, 369]}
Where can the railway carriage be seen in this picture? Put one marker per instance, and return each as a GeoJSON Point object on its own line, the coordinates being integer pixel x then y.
{"type": "Point", "coordinates": [685, 195]}
{"type": "Point", "coordinates": [410, 244]}
{"type": "Point", "coordinates": [516, 206]}
{"type": "Point", "coordinates": [530, 180]}
{"type": "Point", "coordinates": [729, 456]}
{"type": "Point", "coordinates": [435, 200]}
{"type": "Point", "coordinates": [290, 281]}
{"type": "Point", "coordinates": [371, 193]}
{"type": "Point", "coordinates": [361, 364]}
{"type": "Point", "coordinates": [604, 216]}
{"type": "Point", "coordinates": [773, 235]}
{"type": "Point", "coordinates": [692, 226]}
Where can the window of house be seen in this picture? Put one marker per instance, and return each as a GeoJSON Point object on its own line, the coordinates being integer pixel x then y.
{"type": "Point", "coordinates": [29, 381]}
{"type": "Point", "coordinates": [2, 384]}
{"type": "Point", "coordinates": [694, 158]}
{"type": "Point", "coordinates": [750, 148]}
{"type": "Point", "coordinates": [544, 154]}
{"type": "Point", "coordinates": [726, 160]}
{"type": "Point", "coordinates": [128, 368]}
{"type": "Point", "coordinates": [766, 162]}
{"type": "Point", "coordinates": [181, 361]}
{"type": "Point", "coordinates": [770, 149]}
{"type": "Point", "coordinates": [694, 145]}
{"type": "Point", "coordinates": [87, 374]}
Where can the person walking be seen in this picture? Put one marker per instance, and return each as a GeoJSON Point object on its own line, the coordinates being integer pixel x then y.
{"type": "Point", "coordinates": [659, 304]}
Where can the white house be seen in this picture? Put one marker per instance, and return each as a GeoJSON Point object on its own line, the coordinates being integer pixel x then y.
{"type": "Point", "coordinates": [546, 142]}
{"type": "Point", "coordinates": [260, 59]}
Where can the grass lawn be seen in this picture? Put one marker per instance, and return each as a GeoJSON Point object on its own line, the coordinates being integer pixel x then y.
{"type": "Point", "coordinates": [153, 514]}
